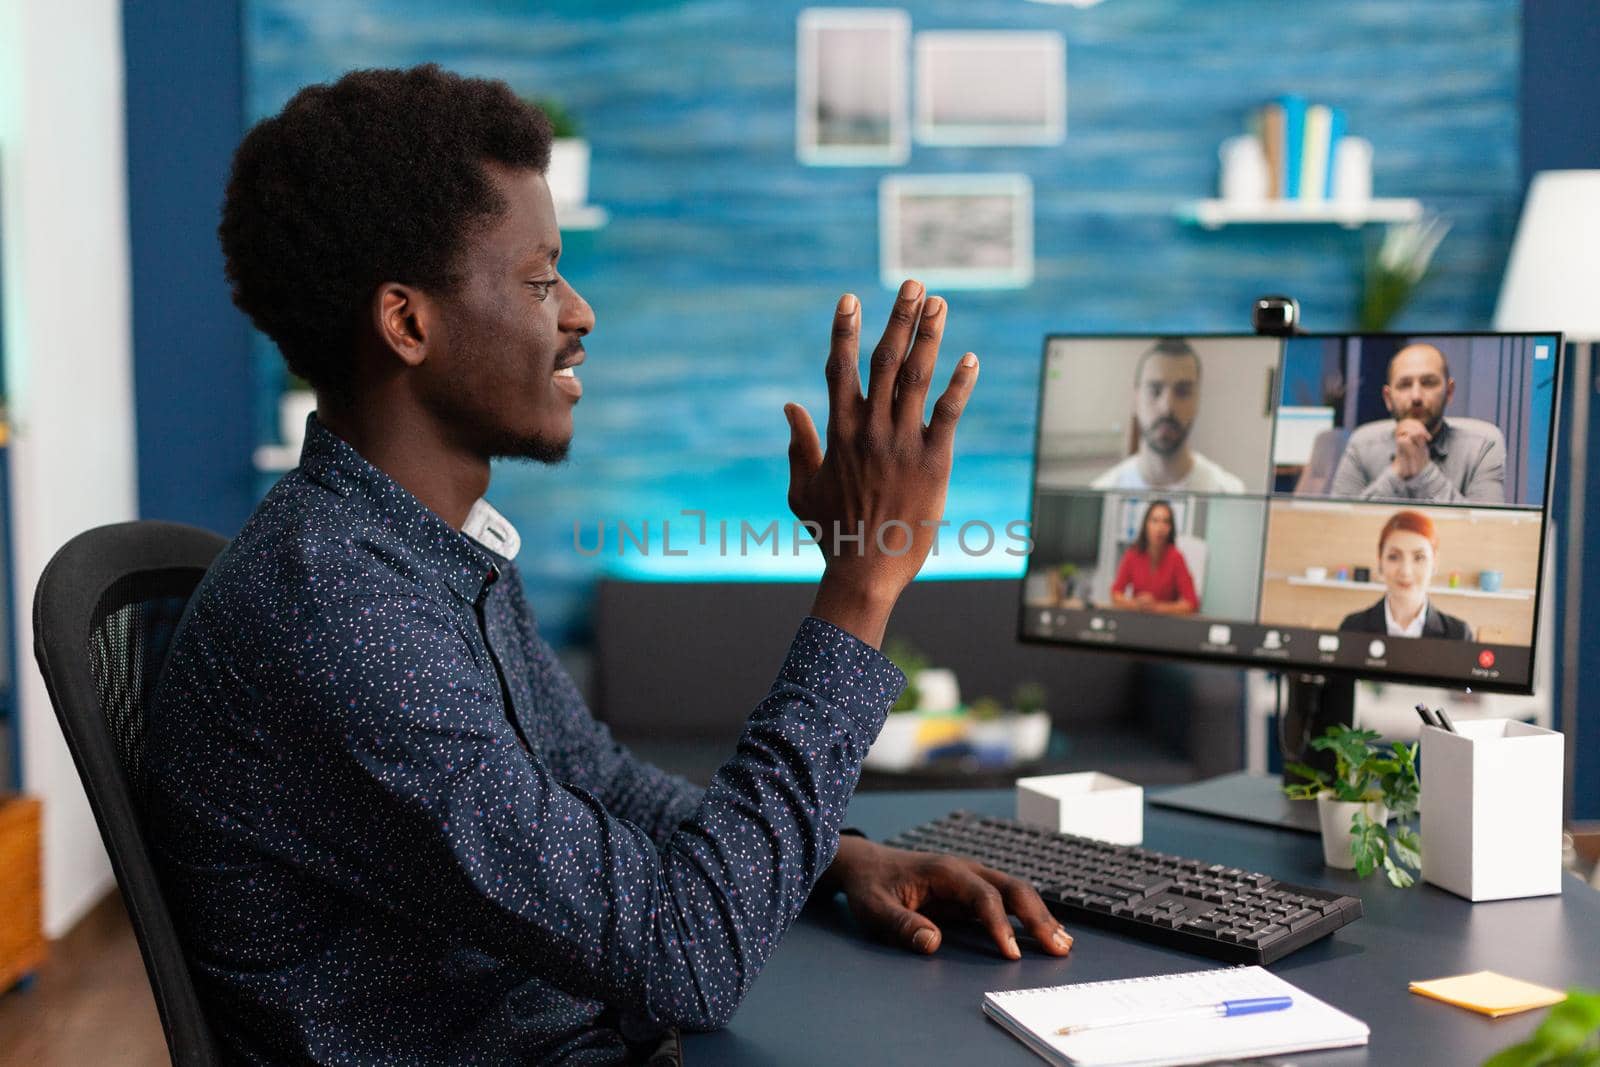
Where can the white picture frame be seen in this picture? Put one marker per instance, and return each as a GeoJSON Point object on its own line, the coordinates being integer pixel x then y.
{"type": "Point", "coordinates": [851, 87]}
{"type": "Point", "coordinates": [956, 231]}
{"type": "Point", "coordinates": [991, 87]}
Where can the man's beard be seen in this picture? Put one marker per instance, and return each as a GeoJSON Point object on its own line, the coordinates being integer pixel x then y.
{"type": "Point", "coordinates": [1428, 417]}
{"type": "Point", "coordinates": [531, 449]}
{"type": "Point", "coordinates": [1160, 447]}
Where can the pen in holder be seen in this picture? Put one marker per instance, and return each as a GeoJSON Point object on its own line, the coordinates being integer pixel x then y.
{"type": "Point", "coordinates": [1491, 809]}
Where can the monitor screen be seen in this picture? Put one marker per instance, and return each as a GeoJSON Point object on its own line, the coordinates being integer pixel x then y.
{"type": "Point", "coordinates": [1362, 504]}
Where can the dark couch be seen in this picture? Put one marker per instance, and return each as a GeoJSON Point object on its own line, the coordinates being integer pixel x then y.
{"type": "Point", "coordinates": [678, 666]}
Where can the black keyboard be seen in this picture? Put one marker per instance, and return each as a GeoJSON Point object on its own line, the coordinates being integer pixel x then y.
{"type": "Point", "coordinates": [1214, 910]}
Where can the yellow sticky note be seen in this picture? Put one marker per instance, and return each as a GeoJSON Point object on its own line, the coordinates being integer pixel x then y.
{"type": "Point", "coordinates": [1489, 993]}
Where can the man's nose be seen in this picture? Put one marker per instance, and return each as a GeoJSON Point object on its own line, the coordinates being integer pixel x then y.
{"type": "Point", "coordinates": [576, 314]}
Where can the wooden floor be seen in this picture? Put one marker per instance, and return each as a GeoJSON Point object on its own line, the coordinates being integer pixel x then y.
{"type": "Point", "coordinates": [89, 1004]}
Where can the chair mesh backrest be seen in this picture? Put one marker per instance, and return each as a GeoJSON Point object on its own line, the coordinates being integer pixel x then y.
{"type": "Point", "coordinates": [129, 635]}
{"type": "Point", "coordinates": [104, 614]}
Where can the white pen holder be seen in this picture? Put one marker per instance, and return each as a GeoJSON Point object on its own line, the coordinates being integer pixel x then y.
{"type": "Point", "coordinates": [1491, 809]}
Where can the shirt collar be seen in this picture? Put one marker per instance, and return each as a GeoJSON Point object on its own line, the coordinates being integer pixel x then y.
{"type": "Point", "coordinates": [1414, 629]}
{"type": "Point", "coordinates": [467, 560]}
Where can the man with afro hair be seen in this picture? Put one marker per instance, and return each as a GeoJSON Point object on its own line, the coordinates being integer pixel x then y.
{"type": "Point", "coordinates": [388, 828]}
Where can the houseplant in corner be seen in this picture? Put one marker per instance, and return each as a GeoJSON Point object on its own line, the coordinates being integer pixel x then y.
{"type": "Point", "coordinates": [1370, 785]}
{"type": "Point", "coordinates": [1395, 267]}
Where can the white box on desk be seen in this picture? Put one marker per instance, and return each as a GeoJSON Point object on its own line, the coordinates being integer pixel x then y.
{"type": "Point", "coordinates": [1089, 804]}
{"type": "Point", "coordinates": [1491, 809]}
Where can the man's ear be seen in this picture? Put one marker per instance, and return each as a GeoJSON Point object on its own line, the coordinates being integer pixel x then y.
{"type": "Point", "coordinates": [1388, 399]}
{"type": "Point", "coordinates": [405, 320]}
{"type": "Point", "coordinates": [1449, 391]}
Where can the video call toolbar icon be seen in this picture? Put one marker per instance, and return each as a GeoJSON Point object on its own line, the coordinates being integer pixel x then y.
{"type": "Point", "coordinates": [1377, 649]}
{"type": "Point", "coordinates": [1327, 643]}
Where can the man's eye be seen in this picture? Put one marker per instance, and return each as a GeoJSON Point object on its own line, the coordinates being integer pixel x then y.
{"type": "Point", "coordinates": [543, 287]}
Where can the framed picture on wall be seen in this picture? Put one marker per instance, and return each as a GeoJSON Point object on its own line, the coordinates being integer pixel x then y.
{"type": "Point", "coordinates": [851, 87]}
{"type": "Point", "coordinates": [991, 87]}
{"type": "Point", "coordinates": [956, 231]}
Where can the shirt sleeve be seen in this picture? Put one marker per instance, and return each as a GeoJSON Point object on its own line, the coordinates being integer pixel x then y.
{"type": "Point", "coordinates": [1348, 477]}
{"type": "Point", "coordinates": [1119, 584]}
{"type": "Point", "coordinates": [1432, 485]}
{"type": "Point", "coordinates": [1487, 482]}
{"type": "Point", "coordinates": [1180, 567]}
{"type": "Point", "coordinates": [444, 817]}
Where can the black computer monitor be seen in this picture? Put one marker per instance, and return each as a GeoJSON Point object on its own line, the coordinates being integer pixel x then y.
{"type": "Point", "coordinates": [1329, 506]}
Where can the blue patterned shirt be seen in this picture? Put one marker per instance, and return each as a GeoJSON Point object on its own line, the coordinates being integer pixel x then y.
{"type": "Point", "coordinates": [391, 832]}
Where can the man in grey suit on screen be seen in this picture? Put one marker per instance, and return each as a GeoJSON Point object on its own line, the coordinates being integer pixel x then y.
{"type": "Point", "coordinates": [1419, 455]}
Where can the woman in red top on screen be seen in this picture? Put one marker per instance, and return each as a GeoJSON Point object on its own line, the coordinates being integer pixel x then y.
{"type": "Point", "coordinates": [1153, 575]}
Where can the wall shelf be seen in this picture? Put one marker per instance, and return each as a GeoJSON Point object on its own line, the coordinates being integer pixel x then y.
{"type": "Point", "coordinates": [1214, 214]}
{"type": "Point", "coordinates": [1438, 590]}
{"type": "Point", "coordinates": [582, 217]}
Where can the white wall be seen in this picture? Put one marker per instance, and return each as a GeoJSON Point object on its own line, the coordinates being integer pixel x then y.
{"type": "Point", "coordinates": [68, 351]}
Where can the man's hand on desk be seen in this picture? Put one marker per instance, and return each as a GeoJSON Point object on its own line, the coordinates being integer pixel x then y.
{"type": "Point", "coordinates": [890, 889]}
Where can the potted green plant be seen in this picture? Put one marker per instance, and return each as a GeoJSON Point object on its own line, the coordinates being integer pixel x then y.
{"type": "Point", "coordinates": [1569, 1036]}
{"type": "Point", "coordinates": [1065, 582]}
{"type": "Point", "coordinates": [897, 748]}
{"type": "Point", "coordinates": [1395, 268]}
{"type": "Point", "coordinates": [1371, 783]}
{"type": "Point", "coordinates": [989, 732]}
{"type": "Point", "coordinates": [568, 175]}
{"type": "Point", "coordinates": [1030, 721]}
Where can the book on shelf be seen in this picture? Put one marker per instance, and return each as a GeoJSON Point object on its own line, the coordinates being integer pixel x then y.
{"type": "Point", "coordinates": [1299, 141]}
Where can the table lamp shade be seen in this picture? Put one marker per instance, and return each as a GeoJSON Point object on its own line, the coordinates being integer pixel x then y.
{"type": "Point", "coordinates": [1553, 279]}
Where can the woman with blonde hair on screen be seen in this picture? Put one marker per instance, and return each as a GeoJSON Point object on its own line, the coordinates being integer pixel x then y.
{"type": "Point", "coordinates": [1408, 556]}
{"type": "Point", "coordinates": [1153, 575]}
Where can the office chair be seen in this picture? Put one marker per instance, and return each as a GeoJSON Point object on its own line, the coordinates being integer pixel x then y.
{"type": "Point", "coordinates": [104, 614]}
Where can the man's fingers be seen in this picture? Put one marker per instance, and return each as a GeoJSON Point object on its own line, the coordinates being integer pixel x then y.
{"type": "Point", "coordinates": [891, 350]}
{"type": "Point", "coordinates": [912, 929]}
{"type": "Point", "coordinates": [911, 384]}
{"type": "Point", "coordinates": [948, 408]}
{"type": "Point", "coordinates": [989, 908]}
{"type": "Point", "coordinates": [844, 379]}
{"type": "Point", "coordinates": [1023, 901]}
{"type": "Point", "coordinates": [884, 915]}
{"type": "Point", "coordinates": [805, 451]}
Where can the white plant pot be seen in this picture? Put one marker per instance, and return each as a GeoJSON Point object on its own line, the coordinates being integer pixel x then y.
{"type": "Point", "coordinates": [897, 747]}
{"type": "Point", "coordinates": [939, 690]}
{"type": "Point", "coordinates": [293, 407]}
{"type": "Point", "coordinates": [1030, 735]}
{"type": "Point", "coordinates": [1335, 816]}
{"type": "Point", "coordinates": [568, 176]}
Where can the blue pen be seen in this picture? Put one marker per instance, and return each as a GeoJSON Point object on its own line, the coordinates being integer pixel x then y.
{"type": "Point", "coordinates": [1253, 1006]}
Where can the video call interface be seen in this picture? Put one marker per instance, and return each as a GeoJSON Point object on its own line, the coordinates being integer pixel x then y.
{"type": "Point", "coordinates": [1370, 503]}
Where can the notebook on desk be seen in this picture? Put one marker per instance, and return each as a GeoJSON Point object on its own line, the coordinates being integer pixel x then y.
{"type": "Point", "coordinates": [1035, 1015]}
